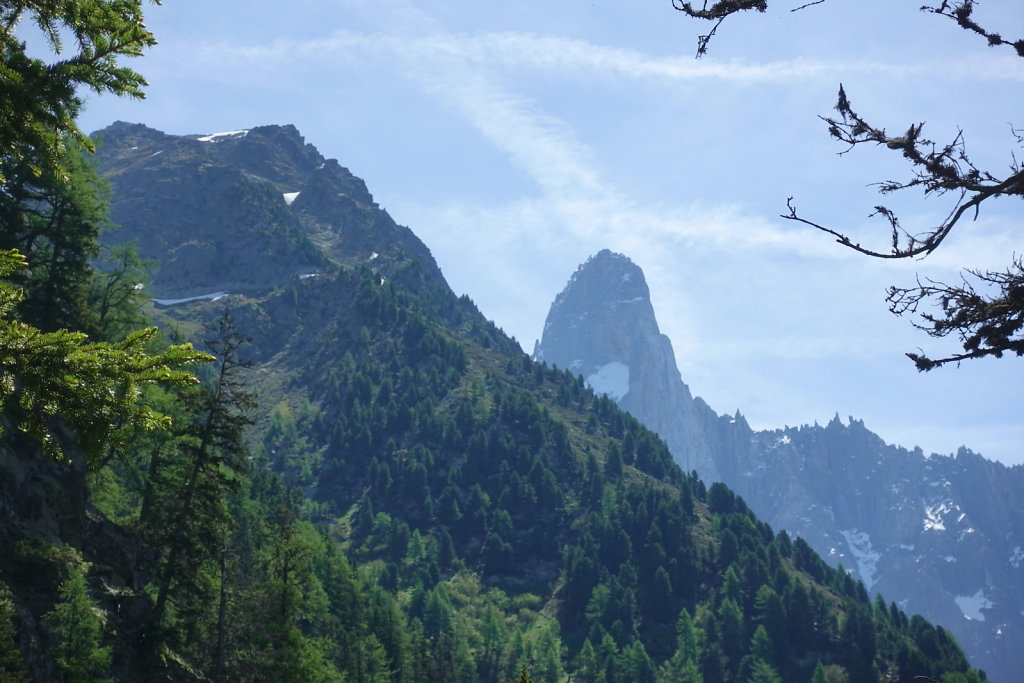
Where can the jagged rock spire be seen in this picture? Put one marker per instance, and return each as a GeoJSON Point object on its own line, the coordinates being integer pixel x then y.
{"type": "Point", "coordinates": [602, 326]}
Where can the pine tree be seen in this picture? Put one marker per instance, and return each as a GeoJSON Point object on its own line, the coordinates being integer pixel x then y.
{"type": "Point", "coordinates": [683, 666]}
{"type": "Point", "coordinates": [12, 665]}
{"type": "Point", "coordinates": [494, 633]}
{"type": "Point", "coordinates": [586, 664]}
{"type": "Point", "coordinates": [730, 630]}
{"type": "Point", "coordinates": [93, 387]}
{"type": "Point", "coordinates": [761, 646]}
{"type": "Point", "coordinates": [762, 672]}
{"type": "Point", "coordinates": [41, 100]}
{"type": "Point", "coordinates": [54, 220]}
{"type": "Point", "coordinates": [187, 516]}
{"type": "Point", "coordinates": [79, 629]}
{"type": "Point", "coordinates": [117, 291]}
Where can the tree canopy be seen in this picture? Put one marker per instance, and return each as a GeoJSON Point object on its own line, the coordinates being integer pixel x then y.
{"type": "Point", "coordinates": [94, 387]}
{"type": "Point", "coordinates": [985, 310]}
{"type": "Point", "coordinates": [52, 210]}
{"type": "Point", "coordinates": [40, 98]}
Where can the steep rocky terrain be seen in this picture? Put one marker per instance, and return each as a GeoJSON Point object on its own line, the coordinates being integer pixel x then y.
{"type": "Point", "coordinates": [246, 211]}
{"type": "Point", "coordinates": [602, 326]}
{"type": "Point", "coordinates": [941, 535]}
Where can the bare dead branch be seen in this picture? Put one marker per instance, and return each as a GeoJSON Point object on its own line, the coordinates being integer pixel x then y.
{"type": "Point", "coordinates": [961, 12]}
{"type": "Point", "coordinates": [806, 5]}
{"type": "Point", "coordinates": [935, 170]}
{"type": "Point", "coordinates": [702, 41]}
{"type": "Point", "coordinates": [986, 310]}
{"type": "Point", "coordinates": [716, 13]}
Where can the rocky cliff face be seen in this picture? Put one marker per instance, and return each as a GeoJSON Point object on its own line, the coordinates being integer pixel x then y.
{"type": "Point", "coordinates": [46, 518]}
{"type": "Point", "coordinates": [246, 211]}
{"type": "Point", "coordinates": [942, 536]}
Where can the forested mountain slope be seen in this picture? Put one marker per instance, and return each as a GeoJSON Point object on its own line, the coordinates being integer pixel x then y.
{"type": "Point", "coordinates": [417, 501]}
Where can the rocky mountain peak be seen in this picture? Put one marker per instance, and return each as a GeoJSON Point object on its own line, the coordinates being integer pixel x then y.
{"type": "Point", "coordinates": [605, 279]}
{"type": "Point", "coordinates": [602, 326]}
{"type": "Point", "coordinates": [604, 310]}
{"type": "Point", "coordinates": [277, 153]}
{"type": "Point", "coordinates": [122, 134]}
{"type": "Point", "coordinates": [247, 210]}
{"type": "Point", "coordinates": [604, 282]}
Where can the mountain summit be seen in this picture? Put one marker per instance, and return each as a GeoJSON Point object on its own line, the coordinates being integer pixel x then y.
{"type": "Point", "coordinates": [602, 326]}
{"type": "Point", "coordinates": [247, 210]}
{"type": "Point", "coordinates": [941, 535]}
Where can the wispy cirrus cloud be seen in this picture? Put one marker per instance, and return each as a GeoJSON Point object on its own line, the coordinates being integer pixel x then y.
{"type": "Point", "coordinates": [574, 57]}
{"type": "Point", "coordinates": [466, 73]}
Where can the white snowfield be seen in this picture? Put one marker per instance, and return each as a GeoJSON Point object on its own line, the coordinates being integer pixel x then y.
{"type": "Point", "coordinates": [289, 197]}
{"type": "Point", "coordinates": [867, 558]}
{"type": "Point", "coordinates": [971, 605]}
{"type": "Point", "coordinates": [217, 137]}
{"type": "Point", "coordinates": [202, 297]}
{"type": "Point", "coordinates": [935, 514]}
{"type": "Point", "coordinates": [612, 379]}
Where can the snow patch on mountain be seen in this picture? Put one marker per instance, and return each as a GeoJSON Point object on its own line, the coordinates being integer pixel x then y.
{"type": "Point", "coordinates": [634, 300]}
{"type": "Point", "coordinates": [289, 197]}
{"type": "Point", "coordinates": [611, 379]}
{"type": "Point", "coordinates": [202, 297]}
{"type": "Point", "coordinates": [971, 605]}
{"type": "Point", "coordinates": [217, 137]}
{"type": "Point", "coordinates": [867, 558]}
{"type": "Point", "coordinates": [934, 516]}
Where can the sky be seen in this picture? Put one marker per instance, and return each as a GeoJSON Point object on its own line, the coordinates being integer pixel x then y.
{"type": "Point", "coordinates": [518, 139]}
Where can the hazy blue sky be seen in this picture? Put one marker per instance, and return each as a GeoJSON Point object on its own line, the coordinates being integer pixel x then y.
{"type": "Point", "coordinates": [517, 139]}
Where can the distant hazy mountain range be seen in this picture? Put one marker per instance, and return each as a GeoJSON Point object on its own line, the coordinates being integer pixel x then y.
{"type": "Point", "coordinates": [942, 536]}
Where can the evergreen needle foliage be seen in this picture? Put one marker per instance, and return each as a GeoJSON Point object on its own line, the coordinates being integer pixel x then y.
{"type": "Point", "coordinates": [93, 387]}
{"type": "Point", "coordinates": [40, 98]}
{"type": "Point", "coordinates": [12, 665]}
{"type": "Point", "coordinates": [79, 627]}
